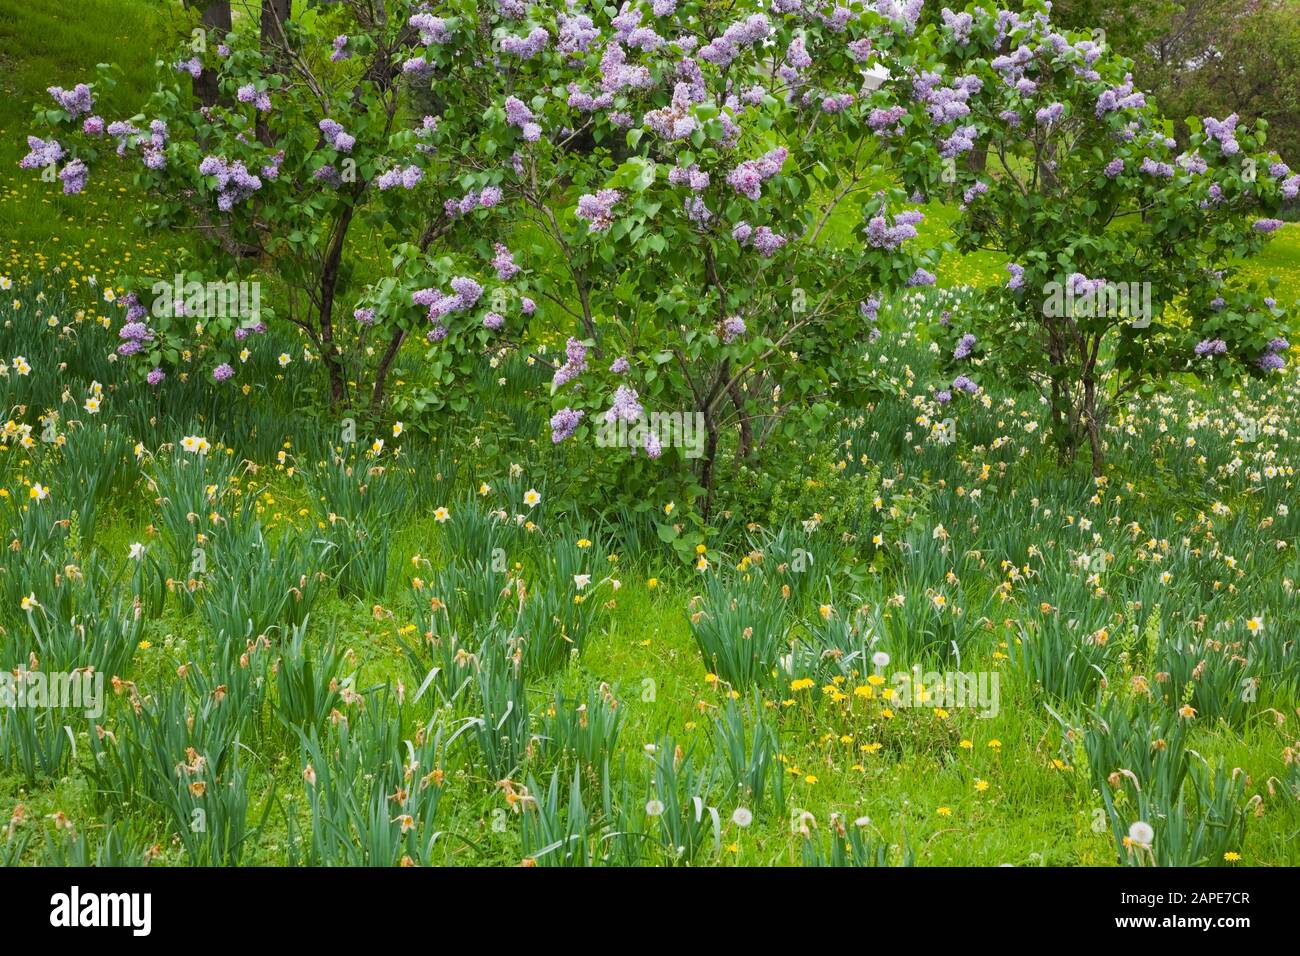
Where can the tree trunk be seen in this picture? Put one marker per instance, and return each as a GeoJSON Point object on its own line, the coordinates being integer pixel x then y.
{"type": "Point", "coordinates": [381, 372]}
{"type": "Point", "coordinates": [328, 285]}
{"type": "Point", "coordinates": [216, 24]}
{"type": "Point", "coordinates": [272, 30]}
{"type": "Point", "coordinates": [746, 430]}
{"type": "Point", "coordinates": [1091, 425]}
{"type": "Point", "coordinates": [710, 459]}
{"type": "Point", "coordinates": [275, 15]}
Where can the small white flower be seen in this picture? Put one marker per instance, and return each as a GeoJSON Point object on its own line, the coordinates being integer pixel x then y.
{"type": "Point", "coordinates": [137, 551]}
{"type": "Point", "coordinates": [654, 808]}
{"type": "Point", "coordinates": [742, 817]}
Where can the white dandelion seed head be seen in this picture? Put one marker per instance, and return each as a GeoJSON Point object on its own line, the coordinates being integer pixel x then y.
{"type": "Point", "coordinates": [1141, 832]}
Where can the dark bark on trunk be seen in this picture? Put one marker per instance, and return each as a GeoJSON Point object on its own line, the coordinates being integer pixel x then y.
{"type": "Point", "coordinates": [328, 283]}
{"type": "Point", "coordinates": [710, 460]}
{"type": "Point", "coordinates": [381, 372]}
{"type": "Point", "coordinates": [1091, 425]}
{"type": "Point", "coordinates": [275, 16]}
{"type": "Point", "coordinates": [273, 31]}
{"type": "Point", "coordinates": [746, 430]}
{"type": "Point", "coordinates": [216, 24]}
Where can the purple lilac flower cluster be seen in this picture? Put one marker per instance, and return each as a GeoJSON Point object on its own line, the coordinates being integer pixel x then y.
{"type": "Point", "coordinates": [979, 188]}
{"type": "Point", "coordinates": [433, 30]}
{"type": "Point", "coordinates": [519, 115]}
{"type": "Point", "coordinates": [234, 182]}
{"type": "Point", "coordinates": [733, 327]}
{"type": "Point", "coordinates": [152, 147]}
{"type": "Point", "coordinates": [881, 235]}
{"type": "Point", "coordinates": [1119, 98]}
{"type": "Point", "coordinates": [1273, 359]}
{"type": "Point", "coordinates": [75, 101]}
{"type": "Point", "coordinates": [691, 176]}
{"type": "Point", "coordinates": [945, 103]}
{"type": "Point", "coordinates": [1224, 132]}
{"type": "Point", "coordinates": [408, 177]}
{"type": "Point", "coordinates": [1049, 114]}
{"type": "Point", "coordinates": [906, 12]}
{"type": "Point", "coordinates": [598, 209]}
{"type": "Point", "coordinates": [673, 122]}
{"type": "Point", "coordinates": [465, 292]}
{"type": "Point", "coordinates": [617, 74]}
{"type": "Point", "coordinates": [722, 50]}
{"type": "Point", "coordinates": [74, 176]}
{"type": "Point", "coordinates": [488, 198]}
{"type": "Point", "coordinates": [1153, 168]}
{"type": "Point", "coordinates": [41, 153]}
{"type": "Point", "coordinates": [564, 423]}
{"type": "Point", "coordinates": [747, 179]}
{"type": "Point", "coordinates": [958, 24]}
{"type": "Point", "coordinates": [961, 141]}
{"type": "Point", "coordinates": [575, 364]}
{"type": "Point", "coordinates": [337, 136]}
{"type": "Point", "coordinates": [135, 332]}
{"type": "Point", "coordinates": [577, 33]}
{"type": "Point", "coordinates": [626, 407]}
{"type": "Point", "coordinates": [526, 47]}
{"type": "Point", "coordinates": [885, 122]}
{"type": "Point", "coordinates": [761, 238]}
{"type": "Point", "coordinates": [261, 100]}
{"type": "Point", "coordinates": [504, 263]}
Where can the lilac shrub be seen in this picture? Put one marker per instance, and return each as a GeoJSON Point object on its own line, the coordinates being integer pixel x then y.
{"type": "Point", "coordinates": [701, 189]}
{"type": "Point", "coordinates": [1121, 247]}
{"type": "Point", "coordinates": [313, 143]}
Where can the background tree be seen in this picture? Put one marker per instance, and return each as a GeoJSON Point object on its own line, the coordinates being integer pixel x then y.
{"type": "Point", "coordinates": [1207, 57]}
